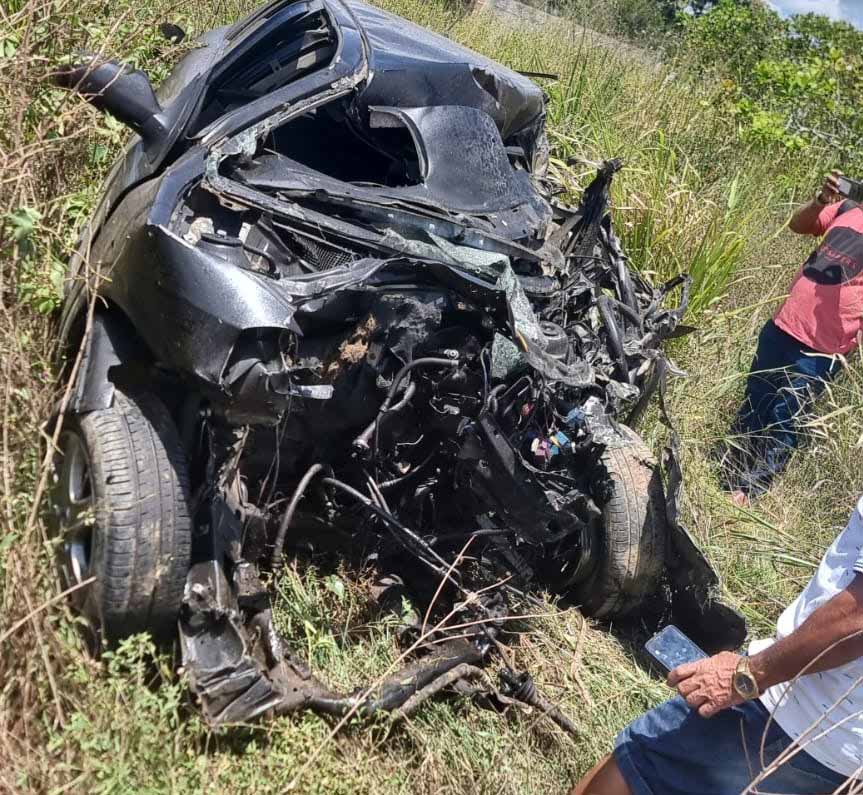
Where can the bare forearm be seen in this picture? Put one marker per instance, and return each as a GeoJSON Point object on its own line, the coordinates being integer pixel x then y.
{"type": "Point", "coordinates": [833, 635]}
{"type": "Point", "coordinates": [834, 631]}
{"type": "Point", "coordinates": [805, 218]}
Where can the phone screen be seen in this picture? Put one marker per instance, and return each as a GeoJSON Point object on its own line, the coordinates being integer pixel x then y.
{"type": "Point", "coordinates": [670, 648]}
{"type": "Point", "coordinates": [850, 188]}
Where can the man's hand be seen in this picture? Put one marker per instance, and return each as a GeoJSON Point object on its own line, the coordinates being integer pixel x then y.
{"type": "Point", "coordinates": [807, 218]}
{"type": "Point", "coordinates": [829, 193]}
{"type": "Point", "coordinates": [707, 684]}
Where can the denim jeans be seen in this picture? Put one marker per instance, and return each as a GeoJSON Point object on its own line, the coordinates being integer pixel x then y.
{"type": "Point", "coordinates": [784, 381]}
{"type": "Point", "coordinates": [670, 750]}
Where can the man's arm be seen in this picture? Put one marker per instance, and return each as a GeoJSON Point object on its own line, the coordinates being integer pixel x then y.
{"type": "Point", "coordinates": [807, 218]}
{"type": "Point", "coordinates": [706, 684]}
{"type": "Point", "coordinates": [839, 622]}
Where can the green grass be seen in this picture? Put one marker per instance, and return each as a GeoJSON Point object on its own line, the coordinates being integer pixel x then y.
{"type": "Point", "coordinates": [690, 198]}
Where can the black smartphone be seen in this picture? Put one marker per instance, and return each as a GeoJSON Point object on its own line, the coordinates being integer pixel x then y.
{"type": "Point", "coordinates": [670, 648]}
{"type": "Point", "coordinates": [851, 189]}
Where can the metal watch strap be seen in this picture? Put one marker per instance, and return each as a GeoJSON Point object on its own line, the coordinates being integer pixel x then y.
{"type": "Point", "coordinates": [743, 681]}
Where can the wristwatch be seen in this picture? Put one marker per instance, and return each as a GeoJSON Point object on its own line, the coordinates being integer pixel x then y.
{"type": "Point", "coordinates": [743, 681]}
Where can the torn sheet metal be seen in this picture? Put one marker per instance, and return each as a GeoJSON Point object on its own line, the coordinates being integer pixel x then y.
{"type": "Point", "coordinates": [343, 267]}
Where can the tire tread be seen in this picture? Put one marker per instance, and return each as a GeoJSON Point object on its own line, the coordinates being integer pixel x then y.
{"type": "Point", "coordinates": [141, 485]}
{"type": "Point", "coordinates": [635, 532]}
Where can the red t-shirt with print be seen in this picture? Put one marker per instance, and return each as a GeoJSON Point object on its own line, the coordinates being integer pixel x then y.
{"type": "Point", "coordinates": [824, 306]}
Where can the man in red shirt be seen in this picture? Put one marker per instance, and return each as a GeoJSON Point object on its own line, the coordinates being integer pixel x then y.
{"type": "Point", "coordinates": [796, 353]}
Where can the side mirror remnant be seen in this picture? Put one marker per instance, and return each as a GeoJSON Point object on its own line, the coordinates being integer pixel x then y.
{"type": "Point", "coordinates": [123, 92]}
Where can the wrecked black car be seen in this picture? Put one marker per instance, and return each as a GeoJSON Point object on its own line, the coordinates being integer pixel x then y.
{"type": "Point", "coordinates": [329, 300]}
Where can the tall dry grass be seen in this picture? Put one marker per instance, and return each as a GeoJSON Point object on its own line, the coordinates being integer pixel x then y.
{"type": "Point", "coordinates": [690, 198]}
{"type": "Point", "coordinates": [54, 151]}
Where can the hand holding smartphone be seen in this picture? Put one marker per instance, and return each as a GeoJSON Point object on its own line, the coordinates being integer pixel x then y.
{"type": "Point", "coordinates": [850, 188]}
{"type": "Point", "coordinates": [671, 648]}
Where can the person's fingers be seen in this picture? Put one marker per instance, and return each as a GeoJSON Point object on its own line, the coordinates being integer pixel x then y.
{"type": "Point", "coordinates": [830, 189]}
{"type": "Point", "coordinates": [707, 710]}
{"type": "Point", "coordinates": [696, 699]}
{"type": "Point", "coordinates": [687, 686]}
{"type": "Point", "coordinates": [680, 673]}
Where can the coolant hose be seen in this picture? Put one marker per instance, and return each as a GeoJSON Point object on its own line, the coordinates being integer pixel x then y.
{"type": "Point", "coordinates": [276, 558]}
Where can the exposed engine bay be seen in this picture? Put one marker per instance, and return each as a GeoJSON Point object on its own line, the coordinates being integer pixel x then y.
{"type": "Point", "coordinates": [429, 406]}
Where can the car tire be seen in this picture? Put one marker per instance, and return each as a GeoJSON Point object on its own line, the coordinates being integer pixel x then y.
{"type": "Point", "coordinates": [121, 514]}
{"type": "Point", "coordinates": [631, 554]}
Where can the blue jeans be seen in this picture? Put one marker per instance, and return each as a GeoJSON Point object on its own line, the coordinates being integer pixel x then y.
{"type": "Point", "coordinates": [784, 381]}
{"type": "Point", "coordinates": [672, 751]}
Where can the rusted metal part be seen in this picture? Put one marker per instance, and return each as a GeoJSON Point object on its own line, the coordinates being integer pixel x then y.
{"type": "Point", "coordinates": [521, 687]}
{"type": "Point", "coordinates": [403, 690]}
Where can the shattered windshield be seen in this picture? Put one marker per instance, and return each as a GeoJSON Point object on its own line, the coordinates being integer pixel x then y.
{"type": "Point", "coordinates": [291, 41]}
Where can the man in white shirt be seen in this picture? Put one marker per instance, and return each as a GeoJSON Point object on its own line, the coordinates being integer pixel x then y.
{"type": "Point", "coordinates": [786, 719]}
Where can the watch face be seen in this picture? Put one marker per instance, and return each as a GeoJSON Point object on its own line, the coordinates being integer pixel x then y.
{"type": "Point", "coordinates": [745, 685]}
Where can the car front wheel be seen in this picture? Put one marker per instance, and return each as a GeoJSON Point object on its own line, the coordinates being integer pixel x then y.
{"type": "Point", "coordinates": [633, 540]}
{"type": "Point", "coordinates": [121, 517]}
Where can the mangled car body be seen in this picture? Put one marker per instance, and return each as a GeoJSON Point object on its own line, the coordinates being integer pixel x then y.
{"type": "Point", "coordinates": [328, 300]}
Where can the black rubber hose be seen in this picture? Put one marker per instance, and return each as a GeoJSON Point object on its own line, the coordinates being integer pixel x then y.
{"type": "Point", "coordinates": [630, 313]}
{"type": "Point", "coordinates": [388, 484]}
{"type": "Point", "coordinates": [627, 293]}
{"type": "Point", "coordinates": [276, 557]}
{"type": "Point", "coordinates": [524, 381]}
{"type": "Point", "coordinates": [363, 439]}
{"type": "Point", "coordinates": [666, 288]}
{"type": "Point", "coordinates": [411, 539]}
{"type": "Point", "coordinates": [646, 393]}
{"type": "Point", "coordinates": [491, 400]}
{"type": "Point", "coordinates": [427, 361]}
{"type": "Point", "coordinates": [613, 336]}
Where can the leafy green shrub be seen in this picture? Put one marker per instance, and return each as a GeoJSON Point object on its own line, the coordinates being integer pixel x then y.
{"type": "Point", "coordinates": [797, 82]}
